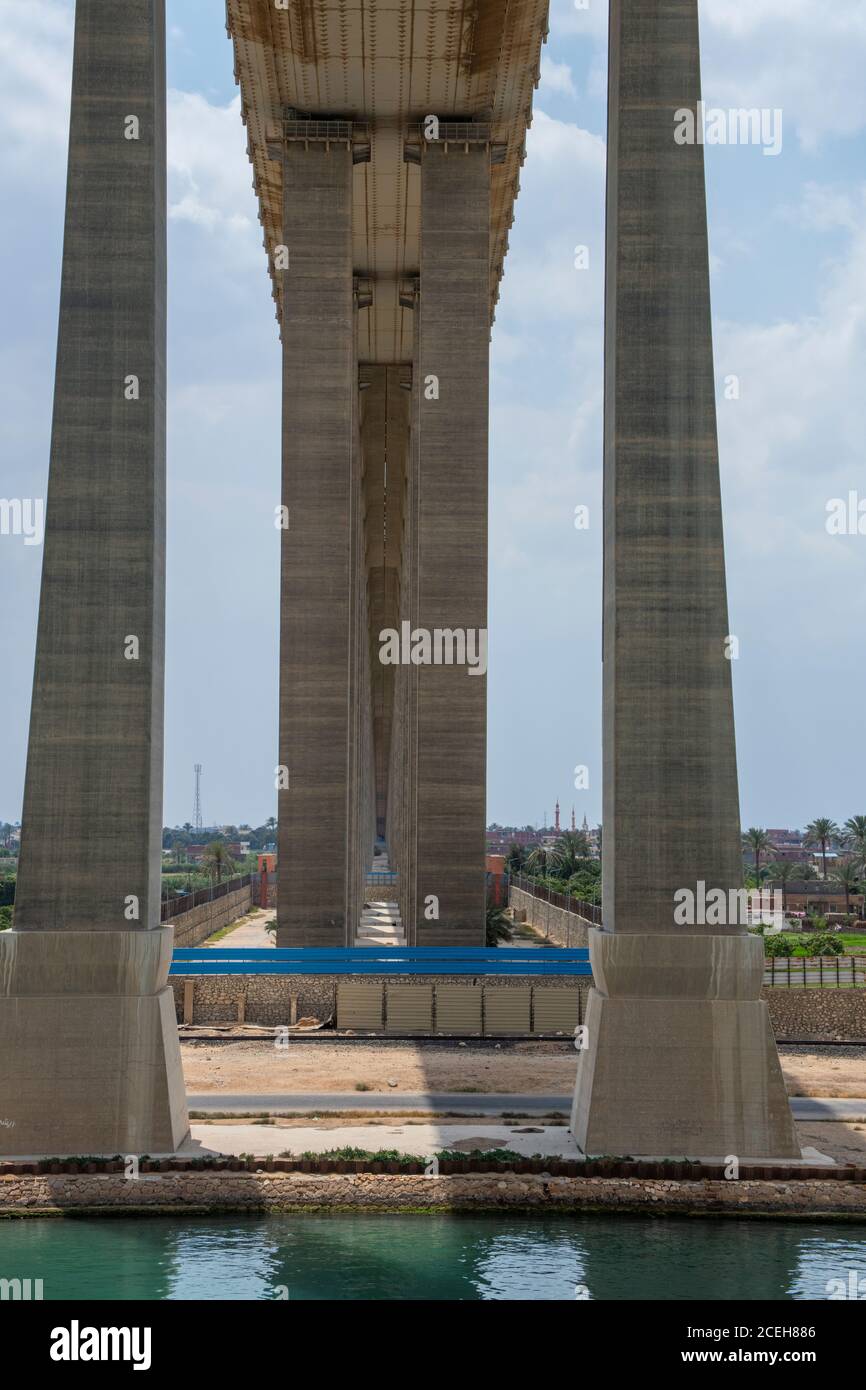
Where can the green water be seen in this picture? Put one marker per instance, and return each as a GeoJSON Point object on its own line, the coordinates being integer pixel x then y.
{"type": "Point", "coordinates": [365, 1256]}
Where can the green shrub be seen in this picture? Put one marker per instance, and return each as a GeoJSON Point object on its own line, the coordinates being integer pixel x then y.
{"type": "Point", "coordinates": [782, 945]}
{"type": "Point", "coordinates": [825, 945]}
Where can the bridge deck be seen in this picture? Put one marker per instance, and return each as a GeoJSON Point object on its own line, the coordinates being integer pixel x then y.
{"type": "Point", "coordinates": [391, 65]}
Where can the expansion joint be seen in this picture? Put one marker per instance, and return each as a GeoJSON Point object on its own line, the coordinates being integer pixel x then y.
{"type": "Point", "coordinates": [451, 135]}
{"type": "Point", "coordinates": [298, 128]}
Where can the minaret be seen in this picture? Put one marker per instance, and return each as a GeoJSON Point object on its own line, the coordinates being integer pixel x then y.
{"type": "Point", "coordinates": [573, 826]}
{"type": "Point", "coordinates": [556, 827]}
{"type": "Point", "coordinates": [681, 1057]}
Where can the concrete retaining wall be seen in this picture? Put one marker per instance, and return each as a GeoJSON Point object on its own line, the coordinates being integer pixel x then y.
{"type": "Point", "coordinates": [807, 1014]}
{"type": "Point", "coordinates": [815, 1014]}
{"type": "Point", "coordinates": [256, 1191]}
{"type": "Point", "coordinates": [267, 999]}
{"type": "Point", "coordinates": [193, 927]}
{"type": "Point", "coordinates": [555, 924]}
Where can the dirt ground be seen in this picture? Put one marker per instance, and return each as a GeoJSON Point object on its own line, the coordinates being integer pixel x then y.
{"type": "Point", "coordinates": [529, 1067]}
{"type": "Point", "coordinates": [839, 1139]}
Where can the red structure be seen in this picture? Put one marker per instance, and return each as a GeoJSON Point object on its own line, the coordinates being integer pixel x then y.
{"type": "Point", "coordinates": [267, 866]}
{"type": "Point", "coordinates": [496, 895]}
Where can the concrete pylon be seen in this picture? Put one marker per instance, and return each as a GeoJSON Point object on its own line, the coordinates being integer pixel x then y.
{"type": "Point", "coordinates": [317, 899]}
{"type": "Point", "coordinates": [88, 1037]}
{"type": "Point", "coordinates": [448, 488]}
{"type": "Point", "coordinates": [681, 1057]}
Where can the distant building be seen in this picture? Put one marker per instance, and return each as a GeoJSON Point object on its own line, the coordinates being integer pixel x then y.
{"type": "Point", "coordinates": [500, 838]}
{"type": "Point", "coordinates": [784, 845]}
{"type": "Point", "coordinates": [814, 895]}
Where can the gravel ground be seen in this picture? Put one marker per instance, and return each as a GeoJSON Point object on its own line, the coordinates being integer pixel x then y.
{"type": "Point", "coordinates": [527, 1067]}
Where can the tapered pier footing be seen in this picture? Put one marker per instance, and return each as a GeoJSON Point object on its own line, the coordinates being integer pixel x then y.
{"type": "Point", "coordinates": [88, 1038]}
{"type": "Point", "coordinates": [680, 1057]}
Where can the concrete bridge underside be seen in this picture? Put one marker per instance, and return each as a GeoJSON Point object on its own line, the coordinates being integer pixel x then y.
{"type": "Point", "coordinates": [386, 235]}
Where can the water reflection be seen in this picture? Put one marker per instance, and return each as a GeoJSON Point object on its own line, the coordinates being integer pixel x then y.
{"type": "Point", "coordinates": [444, 1257]}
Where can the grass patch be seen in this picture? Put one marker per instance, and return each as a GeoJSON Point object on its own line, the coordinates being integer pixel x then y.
{"type": "Point", "coordinates": [349, 1151]}
{"type": "Point", "coordinates": [364, 1155]}
{"type": "Point", "coordinates": [225, 931]}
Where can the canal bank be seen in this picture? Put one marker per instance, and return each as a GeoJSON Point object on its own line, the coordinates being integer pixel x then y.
{"type": "Point", "coordinates": [203, 1191]}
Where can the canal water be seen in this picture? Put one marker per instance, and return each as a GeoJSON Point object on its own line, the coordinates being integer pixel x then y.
{"type": "Point", "coordinates": [366, 1256]}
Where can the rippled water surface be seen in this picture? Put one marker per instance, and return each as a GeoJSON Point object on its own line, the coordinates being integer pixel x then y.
{"type": "Point", "coordinates": [365, 1256]}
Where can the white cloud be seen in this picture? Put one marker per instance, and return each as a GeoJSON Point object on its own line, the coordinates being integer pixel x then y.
{"type": "Point", "coordinates": [560, 210]}
{"type": "Point", "coordinates": [210, 176]}
{"type": "Point", "coordinates": [806, 58]}
{"type": "Point", "coordinates": [556, 77]}
{"type": "Point", "coordinates": [795, 438]}
{"type": "Point", "coordinates": [587, 19]}
{"type": "Point", "coordinates": [35, 79]}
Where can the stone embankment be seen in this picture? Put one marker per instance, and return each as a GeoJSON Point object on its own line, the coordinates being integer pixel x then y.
{"type": "Point", "coordinates": [198, 1192]}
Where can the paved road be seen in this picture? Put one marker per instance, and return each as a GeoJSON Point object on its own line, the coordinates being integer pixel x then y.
{"type": "Point", "coordinates": [252, 933]}
{"type": "Point", "coordinates": [803, 1107]}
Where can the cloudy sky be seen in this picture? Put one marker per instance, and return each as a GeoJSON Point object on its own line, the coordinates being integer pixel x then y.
{"type": "Point", "coordinates": [788, 244]}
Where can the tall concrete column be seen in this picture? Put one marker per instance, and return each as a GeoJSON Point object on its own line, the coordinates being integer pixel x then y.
{"type": "Point", "coordinates": [87, 1028]}
{"type": "Point", "coordinates": [384, 437]}
{"type": "Point", "coordinates": [450, 542]}
{"type": "Point", "coordinates": [316, 899]}
{"type": "Point", "coordinates": [681, 1057]}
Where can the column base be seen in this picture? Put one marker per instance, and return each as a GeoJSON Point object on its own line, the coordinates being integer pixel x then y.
{"type": "Point", "coordinates": [681, 1058]}
{"type": "Point", "coordinates": [88, 1038]}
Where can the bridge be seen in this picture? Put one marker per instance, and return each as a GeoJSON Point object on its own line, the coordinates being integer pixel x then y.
{"type": "Point", "coordinates": [385, 147]}
{"type": "Point", "coordinates": [386, 144]}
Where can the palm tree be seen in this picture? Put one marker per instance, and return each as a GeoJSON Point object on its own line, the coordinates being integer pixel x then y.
{"type": "Point", "coordinates": [757, 841]}
{"type": "Point", "coordinates": [539, 859]}
{"type": "Point", "coordinates": [848, 875]}
{"type": "Point", "coordinates": [216, 860]}
{"type": "Point", "coordinates": [497, 928]}
{"type": "Point", "coordinates": [820, 833]}
{"type": "Point", "coordinates": [570, 849]}
{"type": "Point", "coordinates": [854, 837]}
